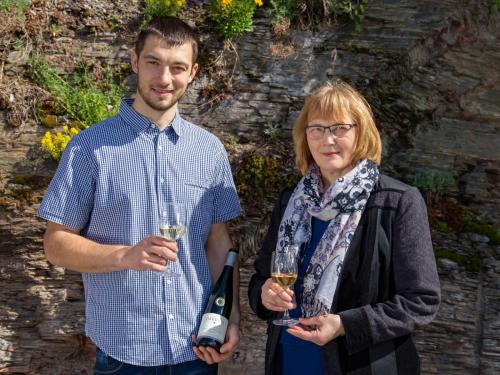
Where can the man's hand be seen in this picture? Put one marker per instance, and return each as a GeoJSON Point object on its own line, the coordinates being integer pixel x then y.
{"type": "Point", "coordinates": [275, 298]}
{"type": "Point", "coordinates": [319, 330]}
{"type": "Point", "coordinates": [65, 247]}
{"type": "Point", "coordinates": [210, 355]}
{"type": "Point", "coordinates": [152, 253]}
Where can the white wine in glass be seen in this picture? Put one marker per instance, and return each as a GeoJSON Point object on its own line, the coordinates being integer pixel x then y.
{"type": "Point", "coordinates": [172, 227]}
{"type": "Point", "coordinates": [172, 232]}
{"type": "Point", "coordinates": [284, 272]}
{"type": "Point", "coordinates": [284, 280]}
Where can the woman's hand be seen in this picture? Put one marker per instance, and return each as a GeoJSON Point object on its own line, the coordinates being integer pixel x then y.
{"type": "Point", "coordinates": [319, 330]}
{"type": "Point", "coordinates": [275, 298]}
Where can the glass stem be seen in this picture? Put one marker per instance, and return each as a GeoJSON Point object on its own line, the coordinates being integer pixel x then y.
{"type": "Point", "coordinates": [286, 316]}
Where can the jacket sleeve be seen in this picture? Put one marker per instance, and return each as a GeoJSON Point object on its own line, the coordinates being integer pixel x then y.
{"type": "Point", "coordinates": [416, 298]}
{"type": "Point", "coordinates": [262, 264]}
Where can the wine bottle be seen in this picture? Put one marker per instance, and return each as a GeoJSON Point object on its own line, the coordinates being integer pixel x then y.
{"type": "Point", "coordinates": [214, 322]}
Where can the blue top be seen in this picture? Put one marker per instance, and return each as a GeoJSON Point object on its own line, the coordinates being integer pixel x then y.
{"type": "Point", "coordinates": [295, 350]}
{"type": "Point", "coordinates": [110, 184]}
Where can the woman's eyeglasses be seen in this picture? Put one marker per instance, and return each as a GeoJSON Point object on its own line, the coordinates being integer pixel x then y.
{"type": "Point", "coordinates": [318, 131]}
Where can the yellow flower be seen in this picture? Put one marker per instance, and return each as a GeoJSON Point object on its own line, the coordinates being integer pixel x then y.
{"type": "Point", "coordinates": [55, 144]}
{"type": "Point", "coordinates": [225, 3]}
{"type": "Point", "coordinates": [47, 141]}
{"type": "Point", "coordinates": [259, 3]}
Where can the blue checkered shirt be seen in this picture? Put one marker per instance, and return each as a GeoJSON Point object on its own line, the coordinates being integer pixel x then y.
{"type": "Point", "coordinates": [109, 185]}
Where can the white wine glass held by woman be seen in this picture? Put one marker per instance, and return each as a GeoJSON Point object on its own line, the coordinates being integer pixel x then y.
{"type": "Point", "coordinates": [284, 270]}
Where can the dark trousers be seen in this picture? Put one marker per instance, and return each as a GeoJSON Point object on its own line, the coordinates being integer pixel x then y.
{"type": "Point", "coordinates": [105, 364]}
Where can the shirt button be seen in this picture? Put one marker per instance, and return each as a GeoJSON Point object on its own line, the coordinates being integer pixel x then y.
{"type": "Point", "coordinates": [160, 148]}
{"type": "Point", "coordinates": [169, 282]}
{"type": "Point", "coordinates": [170, 316]}
{"type": "Point", "coordinates": [162, 180]}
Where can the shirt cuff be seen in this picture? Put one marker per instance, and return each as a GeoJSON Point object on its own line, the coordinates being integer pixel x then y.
{"type": "Point", "coordinates": [226, 216]}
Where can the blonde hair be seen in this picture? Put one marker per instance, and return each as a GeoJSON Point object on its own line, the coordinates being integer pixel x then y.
{"type": "Point", "coordinates": [338, 100]}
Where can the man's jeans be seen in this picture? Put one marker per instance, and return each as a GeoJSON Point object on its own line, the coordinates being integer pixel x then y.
{"type": "Point", "coordinates": [104, 364]}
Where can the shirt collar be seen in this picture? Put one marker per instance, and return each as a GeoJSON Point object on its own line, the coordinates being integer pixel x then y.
{"type": "Point", "coordinates": [140, 123]}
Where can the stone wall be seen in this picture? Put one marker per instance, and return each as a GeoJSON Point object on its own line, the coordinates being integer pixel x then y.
{"type": "Point", "coordinates": [428, 68]}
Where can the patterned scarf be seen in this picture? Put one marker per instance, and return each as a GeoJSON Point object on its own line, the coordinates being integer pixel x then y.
{"type": "Point", "coordinates": [342, 203]}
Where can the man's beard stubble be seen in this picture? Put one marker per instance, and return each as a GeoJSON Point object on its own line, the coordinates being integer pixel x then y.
{"type": "Point", "coordinates": [158, 106]}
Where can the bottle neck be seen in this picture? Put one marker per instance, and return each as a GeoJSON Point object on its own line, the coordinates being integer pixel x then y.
{"type": "Point", "coordinates": [232, 256]}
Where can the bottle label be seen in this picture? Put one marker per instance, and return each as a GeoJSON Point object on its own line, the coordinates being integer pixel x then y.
{"type": "Point", "coordinates": [213, 326]}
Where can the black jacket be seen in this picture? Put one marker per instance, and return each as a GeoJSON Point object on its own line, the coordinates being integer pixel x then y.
{"type": "Point", "coordinates": [388, 286]}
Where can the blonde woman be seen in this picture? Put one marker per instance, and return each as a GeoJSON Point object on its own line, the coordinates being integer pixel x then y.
{"type": "Point", "coordinates": [367, 274]}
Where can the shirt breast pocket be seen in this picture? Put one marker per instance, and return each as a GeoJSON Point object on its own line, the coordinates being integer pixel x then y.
{"type": "Point", "coordinates": [199, 200]}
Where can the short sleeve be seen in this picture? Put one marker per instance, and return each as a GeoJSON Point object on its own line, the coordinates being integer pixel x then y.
{"type": "Point", "coordinates": [226, 202]}
{"type": "Point", "coordinates": [70, 196]}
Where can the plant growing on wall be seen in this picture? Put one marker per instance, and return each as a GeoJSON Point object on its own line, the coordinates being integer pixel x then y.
{"type": "Point", "coordinates": [315, 11]}
{"type": "Point", "coordinates": [282, 11]}
{"type": "Point", "coordinates": [272, 130]}
{"type": "Point", "coordinates": [432, 182]}
{"type": "Point", "coordinates": [232, 18]}
{"type": "Point", "coordinates": [354, 9]}
{"type": "Point", "coordinates": [54, 144]}
{"type": "Point", "coordinates": [17, 7]}
{"type": "Point", "coordinates": [495, 5]}
{"type": "Point", "coordinates": [155, 8]}
{"type": "Point", "coordinates": [82, 98]}
{"type": "Point", "coordinates": [261, 177]}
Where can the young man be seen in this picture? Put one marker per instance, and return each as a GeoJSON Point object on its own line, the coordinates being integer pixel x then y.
{"type": "Point", "coordinates": [103, 205]}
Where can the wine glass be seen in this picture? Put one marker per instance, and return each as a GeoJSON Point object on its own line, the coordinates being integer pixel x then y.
{"type": "Point", "coordinates": [284, 273]}
{"type": "Point", "coordinates": [172, 227]}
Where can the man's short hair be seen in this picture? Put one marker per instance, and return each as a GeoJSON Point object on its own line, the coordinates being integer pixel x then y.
{"type": "Point", "coordinates": [173, 31]}
{"type": "Point", "coordinates": [333, 101]}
